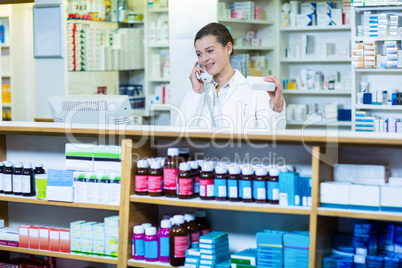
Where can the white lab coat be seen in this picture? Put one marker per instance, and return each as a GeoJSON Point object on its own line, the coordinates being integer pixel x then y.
{"type": "Point", "coordinates": [242, 109]}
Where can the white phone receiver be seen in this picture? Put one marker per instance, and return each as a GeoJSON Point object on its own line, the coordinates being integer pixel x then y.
{"type": "Point", "coordinates": [205, 77]}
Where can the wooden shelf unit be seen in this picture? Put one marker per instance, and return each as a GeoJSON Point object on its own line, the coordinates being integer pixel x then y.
{"type": "Point", "coordinates": [138, 209]}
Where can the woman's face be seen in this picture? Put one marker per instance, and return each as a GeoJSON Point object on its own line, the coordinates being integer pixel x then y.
{"type": "Point", "coordinates": [213, 56]}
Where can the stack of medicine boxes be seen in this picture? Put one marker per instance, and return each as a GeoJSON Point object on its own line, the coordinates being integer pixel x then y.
{"type": "Point", "coordinates": [270, 249]}
{"type": "Point", "coordinates": [214, 249]}
{"type": "Point", "coordinates": [242, 10]}
{"type": "Point", "coordinates": [364, 242]}
{"type": "Point", "coordinates": [296, 253]}
{"type": "Point", "coordinates": [244, 259]}
{"type": "Point", "coordinates": [131, 54]}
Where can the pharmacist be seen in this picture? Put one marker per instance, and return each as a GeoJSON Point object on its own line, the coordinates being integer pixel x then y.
{"type": "Point", "coordinates": [227, 101]}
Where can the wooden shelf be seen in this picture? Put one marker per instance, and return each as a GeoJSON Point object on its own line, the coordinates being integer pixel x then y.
{"type": "Point", "coordinates": [224, 205]}
{"type": "Point", "coordinates": [5, 45]}
{"type": "Point", "coordinates": [95, 22]}
{"type": "Point", "coordinates": [320, 124]}
{"type": "Point", "coordinates": [34, 200]}
{"type": "Point", "coordinates": [6, 105]}
{"type": "Point", "coordinates": [318, 60]}
{"type": "Point", "coordinates": [317, 92]}
{"type": "Point", "coordinates": [379, 107]}
{"type": "Point", "coordinates": [360, 214]}
{"type": "Point", "coordinates": [264, 22]}
{"type": "Point", "coordinates": [253, 48]}
{"type": "Point", "coordinates": [145, 264]}
{"type": "Point", "coordinates": [8, 75]}
{"type": "Point", "coordinates": [71, 256]}
{"type": "Point", "coordinates": [158, 10]}
{"type": "Point", "coordinates": [316, 28]}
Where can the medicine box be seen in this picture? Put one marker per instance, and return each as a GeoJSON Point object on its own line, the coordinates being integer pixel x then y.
{"type": "Point", "coordinates": [335, 194]}
{"type": "Point", "coordinates": [54, 240]}
{"type": "Point", "coordinates": [365, 197]}
{"type": "Point", "coordinates": [23, 231]}
{"type": "Point", "coordinates": [33, 237]}
{"type": "Point", "coordinates": [361, 173]}
{"type": "Point", "coordinates": [79, 157]}
{"type": "Point", "coordinates": [44, 238]}
{"type": "Point", "coordinates": [64, 240]}
{"type": "Point", "coordinates": [391, 198]}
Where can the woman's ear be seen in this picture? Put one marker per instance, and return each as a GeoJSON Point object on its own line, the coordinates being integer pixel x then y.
{"type": "Point", "coordinates": [229, 48]}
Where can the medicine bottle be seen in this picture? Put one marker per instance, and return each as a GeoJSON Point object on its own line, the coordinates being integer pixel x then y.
{"type": "Point", "coordinates": [233, 182]}
{"type": "Point", "coordinates": [141, 177]}
{"type": "Point", "coordinates": [163, 236]}
{"type": "Point", "coordinates": [151, 244]}
{"type": "Point", "coordinates": [138, 246]}
{"type": "Point", "coordinates": [179, 241]}
{"type": "Point", "coordinates": [28, 180]}
{"type": "Point", "coordinates": [1, 177]}
{"type": "Point", "coordinates": [273, 186]}
{"type": "Point", "coordinates": [246, 184]}
{"type": "Point", "coordinates": [196, 176]}
{"type": "Point", "coordinates": [170, 172]}
{"type": "Point", "coordinates": [155, 178]}
{"type": "Point", "coordinates": [17, 178]}
{"type": "Point", "coordinates": [193, 229]}
{"type": "Point", "coordinates": [207, 182]}
{"type": "Point", "coordinates": [184, 154]}
{"type": "Point", "coordinates": [8, 178]}
{"type": "Point", "coordinates": [39, 169]}
{"type": "Point", "coordinates": [221, 181]}
{"type": "Point", "coordinates": [185, 182]}
{"type": "Point", "coordinates": [146, 225]}
{"type": "Point", "coordinates": [201, 220]}
{"type": "Point", "coordinates": [260, 185]}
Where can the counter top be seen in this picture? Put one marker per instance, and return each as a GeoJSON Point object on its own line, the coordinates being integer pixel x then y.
{"type": "Point", "coordinates": [299, 136]}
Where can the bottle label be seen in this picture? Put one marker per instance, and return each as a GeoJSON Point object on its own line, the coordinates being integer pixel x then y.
{"type": "Point", "coordinates": [207, 187]}
{"type": "Point", "coordinates": [205, 231]}
{"type": "Point", "coordinates": [139, 247]}
{"type": "Point", "coordinates": [220, 188]}
{"type": "Point", "coordinates": [7, 183]}
{"type": "Point", "coordinates": [181, 244]}
{"type": "Point", "coordinates": [297, 200]}
{"type": "Point", "coordinates": [155, 184]}
{"type": "Point", "coordinates": [283, 199]}
{"type": "Point", "coordinates": [141, 183]}
{"type": "Point", "coordinates": [17, 183]}
{"type": "Point", "coordinates": [195, 239]}
{"type": "Point", "coordinates": [164, 246]}
{"type": "Point", "coordinates": [26, 184]}
{"type": "Point", "coordinates": [185, 186]}
{"type": "Point", "coordinates": [197, 184]}
{"type": "Point", "coordinates": [151, 249]}
{"type": "Point", "coordinates": [245, 189]}
{"type": "Point", "coordinates": [273, 190]}
{"type": "Point", "coordinates": [1, 181]}
{"type": "Point", "coordinates": [260, 190]}
{"type": "Point", "coordinates": [233, 192]}
{"type": "Point", "coordinates": [170, 176]}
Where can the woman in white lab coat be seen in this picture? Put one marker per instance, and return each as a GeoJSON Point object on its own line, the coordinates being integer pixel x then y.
{"type": "Point", "coordinates": [227, 101]}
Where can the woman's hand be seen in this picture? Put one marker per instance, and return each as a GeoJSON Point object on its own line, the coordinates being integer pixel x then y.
{"type": "Point", "coordinates": [198, 85]}
{"type": "Point", "coordinates": [276, 96]}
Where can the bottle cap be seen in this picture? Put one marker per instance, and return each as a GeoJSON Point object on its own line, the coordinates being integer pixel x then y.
{"type": "Point", "coordinates": [184, 150]}
{"type": "Point", "coordinates": [38, 165]}
{"type": "Point", "coordinates": [220, 170]}
{"type": "Point", "coordinates": [184, 166]}
{"type": "Point", "coordinates": [178, 219]}
{"type": "Point", "coordinates": [189, 217]}
{"type": "Point", "coordinates": [138, 229]}
{"type": "Point", "coordinates": [1, 164]}
{"type": "Point", "coordinates": [247, 170]}
{"type": "Point", "coordinates": [146, 225]}
{"type": "Point", "coordinates": [17, 165]}
{"type": "Point", "coordinates": [200, 162]}
{"type": "Point", "coordinates": [206, 167]}
{"type": "Point", "coordinates": [261, 172]}
{"type": "Point", "coordinates": [161, 161]}
{"type": "Point", "coordinates": [173, 152]}
{"type": "Point", "coordinates": [193, 164]}
{"type": "Point", "coordinates": [274, 172]}
{"type": "Point", "coordinates": [166, 224]}
{"type": "Point", "coordinates": [150, 231]}
{"type": "Point", "coordinates": [142, 164]}
{"type": "Point", "coordinates": [283, 169]}
{"type": "Point", "coordinates": [234, 169]}
{"type": "Point", "coordinates": [200, 214]}
{"type": "Point", "coordinates": [27, 165]}
{"type": "Point", "coordinates": [9, 164]}
{"type": "Point", "coordinates": [153, 163]}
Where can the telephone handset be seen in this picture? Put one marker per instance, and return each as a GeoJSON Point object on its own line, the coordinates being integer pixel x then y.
{"type": "Point", "coordinates": [206, 78]}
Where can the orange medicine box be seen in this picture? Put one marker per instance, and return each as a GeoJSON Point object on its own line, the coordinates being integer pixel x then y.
{"type": "Point", "coordinates": [34, 237]}
{"type": "Point", "coordinates": [54, 240]}
{"type": "Point", "coordinates": [65, 240]}
{"type": "Point", "coordinates": [24, 236]}
{"type": "Point", "coordinates": [44, 238]}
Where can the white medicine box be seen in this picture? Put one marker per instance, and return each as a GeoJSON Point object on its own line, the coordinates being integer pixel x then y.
{"type": "Point", "coordinates": [365, 197]}
{"type": "Point", "coordinates": [335, 194]}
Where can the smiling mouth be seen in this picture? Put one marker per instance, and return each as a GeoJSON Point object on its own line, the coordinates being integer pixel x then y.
{"type": "Point", "coordinates": [209, 65]}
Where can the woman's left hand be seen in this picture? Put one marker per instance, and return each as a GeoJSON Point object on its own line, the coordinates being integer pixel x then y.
{"type": "Point", "coordinates": [276, 96]}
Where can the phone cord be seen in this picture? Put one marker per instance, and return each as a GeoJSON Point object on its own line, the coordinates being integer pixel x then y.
{"type": "Point", "coordinates": [207, 86]}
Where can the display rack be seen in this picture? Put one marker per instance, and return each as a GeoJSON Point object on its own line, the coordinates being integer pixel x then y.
{"type": "Point", "coordinates": [5, 74]}
{"type": "Point", "coordinates": [136, 209]}
{"type": "Point", "coordinates": [378, 78]}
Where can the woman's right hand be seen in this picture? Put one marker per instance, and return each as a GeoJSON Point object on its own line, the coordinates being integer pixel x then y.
{"type": "Point", "coordinates": [198, 85]}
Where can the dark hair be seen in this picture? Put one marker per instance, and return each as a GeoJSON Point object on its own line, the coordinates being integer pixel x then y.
{"type": "Point", "coordinates": [218, 30]}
